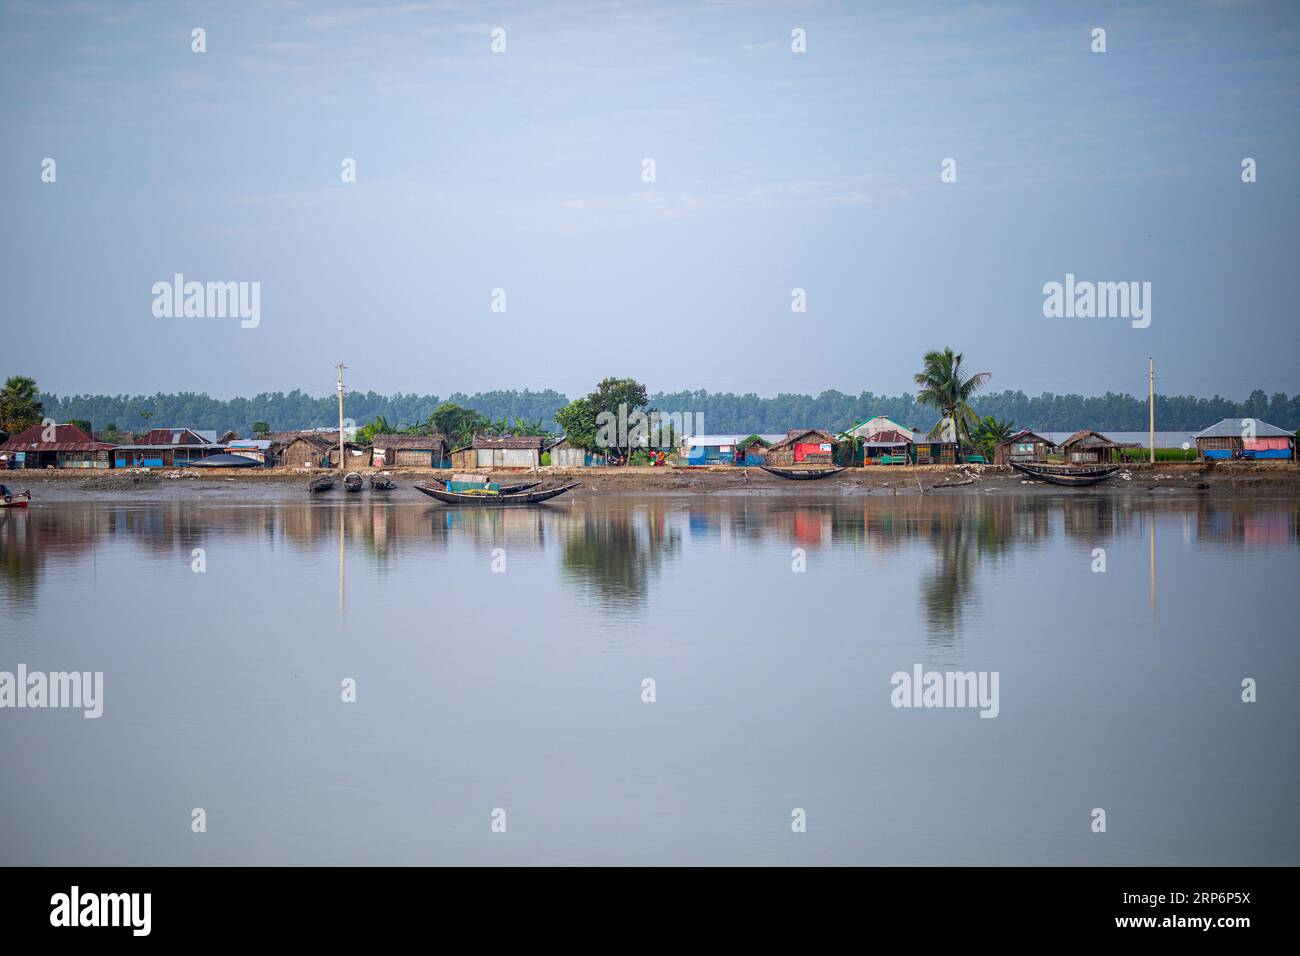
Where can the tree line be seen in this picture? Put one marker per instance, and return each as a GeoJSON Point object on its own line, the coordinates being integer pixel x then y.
{"type": "Point", "coordinates": [723, 412]}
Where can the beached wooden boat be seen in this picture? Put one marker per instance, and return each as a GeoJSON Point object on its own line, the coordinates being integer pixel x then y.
{"type": "Point", "coordinates": [801, 474]}
{"type": "Point", "coordinates": [16, 499]}
{"type": "Point", "coordinates": [323, 483]}
{"type": "Point", "coordinates": [1069, 476]}
{"type": "Point", "coordinates": [504, 489]}
{"type": "Point", "coordinates": [223, 461]}
{"type": "Point", "coordinates": [490, 499]}
{"type": "Point", "coordinates": [353, 482]}
{"type": "Point", "coordinates": [382, 482]}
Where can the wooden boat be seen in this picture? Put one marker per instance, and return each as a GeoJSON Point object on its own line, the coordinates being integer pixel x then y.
{"type": "Point", "coordinates": [323, 483]}
{"type": "Point", "coordinates": [16, 499]}
{"type": "Point", "coordinates": [488, 499]}
{"type": "Point", "coordinates": [505, 489]}
{"type": "Point", "coordinates": [223, 461]}
{"type": "Point", "coordinates": [801, 474]}
{"type": "Point", "coordinates": [353, 482]}
{"type": "Point", "coordinates": [1070, 476]}
{"type": "Point", "coordinates": [382, 482]}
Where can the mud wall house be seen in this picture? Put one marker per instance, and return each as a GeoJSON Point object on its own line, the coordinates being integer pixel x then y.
{"type": "Point", "coordinates": [1087, 447]}
{"type": "Point", "coordinates": [803, 446]}
{"type": "Point", "coordinates": [1022, 447]}
{"type": "Point", "coordinates": [1227, 439]}
{"type": "Point", "coordinates": [67, 447]}
{"type": "Point", "coordinates": [508, 451]}
{"type": "Point", "coordinates": [410, 451]}
{"type": "Point", "coordinates": [167, 448]}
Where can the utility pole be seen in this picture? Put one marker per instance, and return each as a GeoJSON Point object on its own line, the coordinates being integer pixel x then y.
{"type": "Point", "coordinates": [1151, 372]}
{"type": "Point", "coordinates": [341, 368]}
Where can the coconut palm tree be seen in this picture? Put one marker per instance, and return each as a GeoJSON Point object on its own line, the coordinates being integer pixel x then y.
{"type": "Point", "coordinates": [946, 387]}
{"type": "Point", "coordinates": [989, 432]}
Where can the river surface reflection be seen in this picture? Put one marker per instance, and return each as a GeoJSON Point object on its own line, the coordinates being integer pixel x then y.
{"type": "Point", "coordinates": [499, 660]}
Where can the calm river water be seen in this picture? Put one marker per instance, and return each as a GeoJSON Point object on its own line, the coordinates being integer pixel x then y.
{"type": "Point", "coordinates": [500, 663]}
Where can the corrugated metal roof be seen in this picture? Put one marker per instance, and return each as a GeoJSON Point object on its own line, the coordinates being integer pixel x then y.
{"type": "Point", "coordinates": [66, 438]}
{"type": "Point", "coordinates": [507, 441]}
{"type": "Point", "coordinates": [709, 441]}
{"type": "Point", "coordinates": [408, 442]}
{"type": "Point", "coordinates": [1236, 428]}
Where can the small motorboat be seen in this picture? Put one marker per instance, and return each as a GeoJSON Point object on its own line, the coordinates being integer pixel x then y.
{"type": "Point", "coordinates": [504, 489]}
{"type": "Point", "coordinates": [801, 474]}
{"type": "Point", "coordinates": [353, 482]}
{"type": "Point", "coordinates": [492, 499]}
{"type": "Point", "coordinates": [15, 499]}
{"type": "Point", "coordinates": [323, 483]}
{"type": "Point", "coordinates": [382, 481]}
{"type": "Point", "coordinates": [1069, 476]}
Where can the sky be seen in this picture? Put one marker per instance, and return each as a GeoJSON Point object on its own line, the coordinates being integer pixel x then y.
{"type": "Point", "coordinates": [524, 170]}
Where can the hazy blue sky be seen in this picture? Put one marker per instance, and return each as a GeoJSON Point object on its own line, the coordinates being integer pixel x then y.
{"type": "Point", "coordinates": [522, 170]}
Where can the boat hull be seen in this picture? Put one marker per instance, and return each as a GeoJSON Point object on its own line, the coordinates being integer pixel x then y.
{"type": "Point", "coordinates": [1067, 477]}
{"type": "Point", "coordinates": [492, 501]}
{"type": "Point", "coordinates": [505, 490]}
{"type": "Point", "coordinates": [321, 484]}
{"type": "Point", "coordinates": [796, 474]}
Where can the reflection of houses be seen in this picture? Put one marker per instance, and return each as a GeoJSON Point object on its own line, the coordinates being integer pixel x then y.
{"type": "Point", "coordinates": [1022, 447]}
{"type": "Point", "coordinates": [508, 451]}
{"type": "Point", "coordinates": [1245, 438]}
{"type": "Point", "coordinates": [56, 446]}
{"type": "Point", "coordinates": [167, 448]}
{"type": "Point", "coordinates": [1087, 447]}
{"type": "Point", "coordinates": [410, 451]}
{"type": "Point", "coordinates": [801, 446]}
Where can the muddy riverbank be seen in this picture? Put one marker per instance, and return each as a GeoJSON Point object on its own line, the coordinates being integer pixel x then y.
{"type": "Point", "coordinates": [1254, 479]}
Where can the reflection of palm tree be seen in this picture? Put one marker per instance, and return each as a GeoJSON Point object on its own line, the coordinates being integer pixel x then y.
{"type": "Point", "coordinates": [617, 555]}
{"type": "Point", "coordinates": [963, 539]}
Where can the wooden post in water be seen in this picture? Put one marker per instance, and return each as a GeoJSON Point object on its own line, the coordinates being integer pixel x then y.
{"type": "Point", "coordinates": [341, 368]}
{"type": "Point", "coordinates": [1151, 372]}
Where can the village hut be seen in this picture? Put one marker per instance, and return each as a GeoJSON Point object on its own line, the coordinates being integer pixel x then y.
{"type": "Point", "coordinates": [1022, 447]}
{"type": "Point", "coordinates": [803, 446]}
{"type": "Point", "coordinates": [752, 450]}
{"type": "Point", "coordinates": [167, 448]}
{"type": "Point", "coordinates": [565, 454]}
{"type": "Point", "coordinates": [301, 449]}
{"type": "Point", "coordinates": [508, 451]}
{"type": "Point", "coordinates": [1247, 438]}
{"type": "Point", "coordinates": [56, 446]}
{"type": "Point", "coordinates": [464, 458]}
{"type": "Point", "coordinates": [884, 441]}
{"type": "Point", "coordinates": [938, 448]}
{"type": "Point", "coordinates": [1087, 447]}
{"type": "Point", "coordinates": [410, 451]}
